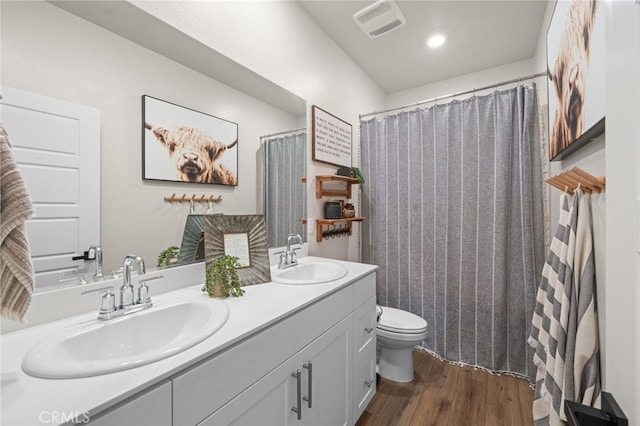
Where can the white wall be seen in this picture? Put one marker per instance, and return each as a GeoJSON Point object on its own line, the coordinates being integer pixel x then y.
{"type": "Point", "coordinates": [488, 77]}
{"type": "Point", "coordinates": [622, 328]}
{"type": "Point", "coordinates": [49, 51]}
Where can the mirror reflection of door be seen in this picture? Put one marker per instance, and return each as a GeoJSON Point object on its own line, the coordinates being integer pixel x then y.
{"type": "Point", "coordinates": [56, 145]}
{"type": "Point", "coordinates": [285, 203]}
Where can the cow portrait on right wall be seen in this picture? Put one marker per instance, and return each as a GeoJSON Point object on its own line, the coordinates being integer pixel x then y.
{"type": "Point", "coordinates": [184, 145]}
{"type": "Point", "coordinates": [576, 71]}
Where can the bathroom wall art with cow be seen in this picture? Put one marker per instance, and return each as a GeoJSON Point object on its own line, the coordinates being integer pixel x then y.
{"type": "Point", "coordinates": [576, 71]}
{"type": "Point", "coordinates": [184, 145]}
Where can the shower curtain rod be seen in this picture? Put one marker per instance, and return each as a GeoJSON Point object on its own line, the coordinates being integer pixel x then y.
{"type": "Point", "coordinates": [283, 133]}
{"type": "Point", "coordinates": [451, 95]}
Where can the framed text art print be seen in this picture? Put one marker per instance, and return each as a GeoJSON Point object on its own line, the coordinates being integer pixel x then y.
{"type": "Point", "coordinates": [242, 236]}
{"type": "Point", "coordinates": [331, 138]}
{"type": "Point", "coordinates": [183, 145]}
{"type": "Point", "coordinates": [576, 71]}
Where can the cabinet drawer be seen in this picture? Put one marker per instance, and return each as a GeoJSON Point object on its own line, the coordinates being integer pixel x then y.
{"type": "Point", "coordinates": [201, 390]}
{"type": "Point", "coordinates": [365, 326]}
{"type": "Point", "coordinates": [151, 407]}
{"type": "Point", "coordinates": [365, 288]}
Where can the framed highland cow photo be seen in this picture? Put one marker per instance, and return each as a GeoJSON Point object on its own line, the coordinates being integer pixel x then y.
{"type": "Point", "coordinates": [183, 145]}
{"type": "Point", "coordinates": [576, 75]}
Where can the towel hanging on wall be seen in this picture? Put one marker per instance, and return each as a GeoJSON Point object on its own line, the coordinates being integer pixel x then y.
{"type": "Point", "coordinates": [16, 270]}
{"type": "Point", "coordinates": [564, 329]}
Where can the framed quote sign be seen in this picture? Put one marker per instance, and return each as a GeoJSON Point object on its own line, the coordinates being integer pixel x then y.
{"type": "Point", "coordinates": [331, 138]}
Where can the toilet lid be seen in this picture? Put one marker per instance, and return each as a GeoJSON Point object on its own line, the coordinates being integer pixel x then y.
{"type": "Point", "coordinates": [399, 321]}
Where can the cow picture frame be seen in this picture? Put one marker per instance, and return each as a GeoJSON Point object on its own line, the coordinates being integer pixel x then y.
{"type": "Point", "coordinates": [180, 144]}
{"type": "Point", "coordinates": [576, 75]}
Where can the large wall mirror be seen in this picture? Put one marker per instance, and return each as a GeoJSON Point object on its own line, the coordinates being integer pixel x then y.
{"type": "Point", "coordinates": [132, 221]}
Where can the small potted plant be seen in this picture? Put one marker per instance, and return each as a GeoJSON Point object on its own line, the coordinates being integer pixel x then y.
{"type": "Point", "coordinates": [168, 256]}
{"type": "Point", "coordinates": [356, 173]}
{"type": "Point", "coordinates": [222, 278]}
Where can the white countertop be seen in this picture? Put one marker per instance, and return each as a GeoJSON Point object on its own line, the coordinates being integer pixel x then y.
{"type": "Point", "coordinates": [24, 398]}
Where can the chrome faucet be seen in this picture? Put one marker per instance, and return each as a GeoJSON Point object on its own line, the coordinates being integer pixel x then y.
{"type": "Point", "coordinates": [128, 303]}
{"type": "Point", "coordinates": [126, 291]}
{"type": "Point", "coordinates": [288, 257]}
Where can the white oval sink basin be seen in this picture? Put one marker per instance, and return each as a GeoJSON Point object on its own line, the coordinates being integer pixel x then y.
{"type": "Point", "coordinates": [102, 347]}
{"type": "Point", "coordinates": [315, 272]}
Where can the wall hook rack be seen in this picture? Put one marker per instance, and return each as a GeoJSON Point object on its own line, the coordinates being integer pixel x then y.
{"type": "Point", "coordinates": [572, 179]}
{"type": "Point", "coordinates": [184, 198]}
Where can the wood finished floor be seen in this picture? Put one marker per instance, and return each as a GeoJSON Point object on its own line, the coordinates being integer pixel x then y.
{"type": "Point", "coordinates": [447, 395]}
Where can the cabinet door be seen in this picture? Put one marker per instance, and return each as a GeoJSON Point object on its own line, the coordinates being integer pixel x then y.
{"type": "Point", "coordinates": [152, 408]}
{"type": "Point", "coordinates": [364, 380]}
{"type": "Point", "coordinates": [327, 377]}
{"type": "Point", "coordinates": [364, 372]}
{"type": "Point", "coordinates": [268, 402]}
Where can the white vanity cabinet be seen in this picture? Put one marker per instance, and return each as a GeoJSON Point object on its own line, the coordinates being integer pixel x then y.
{"type": "Point", "coordinates": [242, 374]}
{"type": "Point", "coordinates": [256, 380]}
{"type": "Point", "coordinates": [312, 387]}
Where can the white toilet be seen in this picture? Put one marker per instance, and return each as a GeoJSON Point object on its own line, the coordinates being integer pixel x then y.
{"type": "Point", "coordinates": [397, 333]}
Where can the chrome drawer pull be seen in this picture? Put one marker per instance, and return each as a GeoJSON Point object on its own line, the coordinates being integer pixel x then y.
{"type": "Point", "coordinates": [298, 408]}
{"type": "Point", "coordinates": [368, 382]}
{"type": "Point", "coordinates": [309, 366]}
{"type": "Point", "coordinates": [368, 329]}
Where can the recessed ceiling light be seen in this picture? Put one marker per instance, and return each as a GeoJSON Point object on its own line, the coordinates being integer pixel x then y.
{"type": "Point", "coordinates": [436, 41]}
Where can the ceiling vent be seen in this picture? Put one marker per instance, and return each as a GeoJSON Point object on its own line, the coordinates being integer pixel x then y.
{"type": "Point", "coordinates": [379, 18]}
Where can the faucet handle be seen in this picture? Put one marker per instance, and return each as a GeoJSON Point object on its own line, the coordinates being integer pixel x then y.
{"type": "Point", "coordinates": [143, 293]}
{"type": "Point", "coordinates": [143, 290]}
{"type": "Point", "coordinates": [108, 304]}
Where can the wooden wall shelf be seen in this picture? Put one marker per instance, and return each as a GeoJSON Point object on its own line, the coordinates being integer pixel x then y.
{"type": "Point", "coordinates": [321, 191]}
{"type": "Point", "coordinates": [332, 222]}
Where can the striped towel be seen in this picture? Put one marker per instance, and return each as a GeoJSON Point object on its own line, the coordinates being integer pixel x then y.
{"type": "Point", "coordinates": [16, 271]}
{"type": "Point", "coordinates": [564, 330]}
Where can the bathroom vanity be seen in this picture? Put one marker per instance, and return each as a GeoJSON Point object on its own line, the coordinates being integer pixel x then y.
{"type": "Point", "coordinates": [288, 354]}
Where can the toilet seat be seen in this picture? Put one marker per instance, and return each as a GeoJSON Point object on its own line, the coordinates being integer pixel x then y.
{"type": "Point", "coordinates": [398, 321]}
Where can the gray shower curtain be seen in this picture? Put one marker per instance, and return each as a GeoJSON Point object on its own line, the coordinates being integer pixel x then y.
{"type": "Point", "coordinates": [454, 212]}
{"type": "Point", "coordinates": [285, 200]}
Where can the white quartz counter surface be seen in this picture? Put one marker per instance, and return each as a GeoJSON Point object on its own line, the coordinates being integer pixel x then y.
{"type": "Point", "coordinates": [27, 400]}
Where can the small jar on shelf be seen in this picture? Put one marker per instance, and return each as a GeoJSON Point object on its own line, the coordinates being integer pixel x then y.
{"type": "Point", "coordinates": [348, 211]}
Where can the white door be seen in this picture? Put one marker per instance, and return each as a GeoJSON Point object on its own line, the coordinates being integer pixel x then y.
{"type": "Point", "coordinates": [56, 145]}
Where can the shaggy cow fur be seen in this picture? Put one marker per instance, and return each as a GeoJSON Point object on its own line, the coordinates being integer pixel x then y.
{"type": "Point", "coordinates": [569, 75]}
{"type": "Point", "coordinates": [195, 154]}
